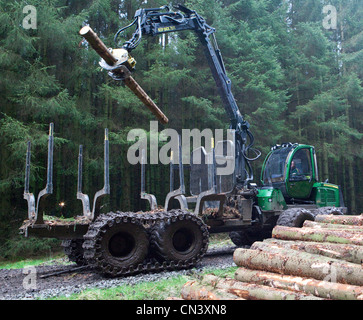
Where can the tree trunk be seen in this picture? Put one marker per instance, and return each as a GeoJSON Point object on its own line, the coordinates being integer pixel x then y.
{"type": "Point", "coordinates": [348, 252]}
{"type": "Point", "coordinates": [251, 291]}
{"type": "Point", "coordinates": [345, 219]}
{"type": "Point", "coordinates": [323, 289]}
{"type": "Point", "coordinates": [195, 291]}
{"type": "Point", "coordinates": [292, 262]}
{"type": "Point", "coordinates": [319, 235]}
{"type": "Point", "coordinates": [324, 225]}
{"type": "Point", "coordinates": [352, 187]}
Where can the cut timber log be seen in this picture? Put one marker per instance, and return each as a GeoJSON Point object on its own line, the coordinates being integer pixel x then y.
{"type": "Point", "coordinates": [318, 235]}
{"type": "Point", "coordinates": [347, 252]}
{"type": "Point", "coordinates": [192, 290]}
{"type": "Point", "coordinates": [324, 225]}
{"type": "Point", "coordinates": [323, 289]}
{"type": "Point", "coordinates": [345, 219]}
{"type": "Point", "coordinates": [143, 96]}
{"type": "Point", "coordinates": [250, 291]}
{"type": "Point", "coordinates": [97, 44]}
{"type": "Point", "coordinates": [297, 263]}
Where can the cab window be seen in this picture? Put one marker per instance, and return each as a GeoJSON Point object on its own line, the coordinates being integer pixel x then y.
{"type": "Point", "coordinates": [275, 166]}
{"type": "Point", "coordinates": [300, 166]}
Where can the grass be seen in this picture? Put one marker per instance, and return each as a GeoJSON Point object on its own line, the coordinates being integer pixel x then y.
{"type": "Point", "coordinates": [219, 240]}
{"type": "Point", "coordinates": [146, 290]}
{"type": "Point", "coordinates": [158, 290]}
{"type": "Point", "coordinates": [58, 258]}
{"type": "Point", "coordinates": [21, 248]}
{"type": "Point", "coordinates": [55, 254]}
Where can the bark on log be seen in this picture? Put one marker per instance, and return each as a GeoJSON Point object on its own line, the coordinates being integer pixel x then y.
{"type": "Point", "coordinates": [323, 289]}
{"type": "Point", "coordinates": [97, 44]}
{"type": "Point", "coordinates": [251, 291]}
{"type": "Point", "coordinates": [324, 225]}
{"type": "Point", "coordinates": [143, 96]}
{"type": "Point", "coordinates": [195, 291]}
{"type": "Point", "coordinates": [345, 219]}
{"type": "Point", "coordinates": [297, 263]}
{"type": "Point", "coordinates": [348, 252]}
{"type": "Point", "coordinates": [318, 235]}
{"type": "Point", "coordinates": [276, 248]}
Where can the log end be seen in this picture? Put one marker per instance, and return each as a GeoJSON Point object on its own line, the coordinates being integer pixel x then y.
{"type": "Point", "coordinates": [85, 30]}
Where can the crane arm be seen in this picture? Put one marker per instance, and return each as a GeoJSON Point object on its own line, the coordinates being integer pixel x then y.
{"type": "Point", "coordinates": [156, 21]}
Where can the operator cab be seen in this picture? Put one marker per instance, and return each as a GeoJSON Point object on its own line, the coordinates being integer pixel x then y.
{"type": "Point", "coordinates": [291, 168]}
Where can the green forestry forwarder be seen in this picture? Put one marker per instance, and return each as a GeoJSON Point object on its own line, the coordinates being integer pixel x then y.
{"type": "Point", "coordinates": [124, 243]}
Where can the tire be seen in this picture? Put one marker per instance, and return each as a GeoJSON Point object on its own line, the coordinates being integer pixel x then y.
{"type": "Point", "coordinates": [115, 242]}
{"type": "Point", "coordinates": [73, 249]}
{"type": "Point", "coordinates": [328, 210]}
{"type": "Point", "coordinates": [240, 238]}
{"type": "Point", "coordinates": [124, 244]}
{"type": "Point", "coordinates": [294, 217]}
{"type": "Point", "coordinates": [249, 236]}
{"type": "Point", "coordinates": [179, 240]}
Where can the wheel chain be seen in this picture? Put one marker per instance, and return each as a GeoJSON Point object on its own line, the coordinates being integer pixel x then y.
{"type": "Point", "coordinates": [92, 239]}
{"type": "Point", "coordinates": [73, 249]}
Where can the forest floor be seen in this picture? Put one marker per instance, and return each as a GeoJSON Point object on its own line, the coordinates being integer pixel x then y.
{"type": "Point", "coordinates": [16, 284]}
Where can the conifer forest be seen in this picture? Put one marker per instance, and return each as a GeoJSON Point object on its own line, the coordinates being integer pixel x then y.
{"type": "Point", "coordinates": [296, 72]}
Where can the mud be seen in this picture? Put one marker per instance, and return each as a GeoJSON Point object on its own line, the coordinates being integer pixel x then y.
{"type": "Point", "coordinates": [35, 283]}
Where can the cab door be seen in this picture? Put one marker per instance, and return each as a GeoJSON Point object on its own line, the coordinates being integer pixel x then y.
{"type": "Point", "coordinates": [299, 177]}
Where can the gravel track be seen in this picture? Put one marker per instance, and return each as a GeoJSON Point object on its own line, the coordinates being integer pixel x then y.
{"type": "Point", "coordinates": [12, 286]}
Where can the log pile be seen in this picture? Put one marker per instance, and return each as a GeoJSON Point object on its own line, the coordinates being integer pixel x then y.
{"type": "Point", "coordinates": [321, 260]}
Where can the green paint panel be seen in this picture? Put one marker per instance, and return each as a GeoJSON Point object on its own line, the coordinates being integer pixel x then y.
{"type": "Point", "coordinates": [326, 194]}
{"type": "Point", "coordinates": [270, 199]}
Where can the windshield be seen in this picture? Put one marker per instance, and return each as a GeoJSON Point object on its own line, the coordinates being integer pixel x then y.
{"type": "Point", "coordinates": [275, 166]}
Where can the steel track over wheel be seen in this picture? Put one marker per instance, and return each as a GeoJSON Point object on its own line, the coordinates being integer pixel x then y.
{"type": "Point", "coordinates": [116, 242]}
{"type": "Point", "coordinates": [182, 239]}
{"type": "Point", "coordinates": [73, 249]}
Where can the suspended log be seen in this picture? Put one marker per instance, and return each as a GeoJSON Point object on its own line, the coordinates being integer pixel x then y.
{"type": "Point", "coordinates": [318, 235]}
{"type": "Point", "coordinates": [347, 252]}
{"type": "Point", "coordinates": [344, 219]}
{"type": "Point", "coordinates": [292, 262]}
{"type": "Point", "coordinates": [250, 291]}
{"type": "Point", "coordinates": [192, 290]}
{"type": "Point", "coordinates": [97, 44]}
{"type": "Point", "coordinates": [143, 96]}
{"type": "Point", "coordinates": [323, 289]}
{"type": "Point", "coordinates": [324, 225]}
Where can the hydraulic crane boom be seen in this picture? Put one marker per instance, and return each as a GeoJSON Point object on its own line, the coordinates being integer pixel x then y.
{"type": "Point", "coordinates": [157, 21]}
